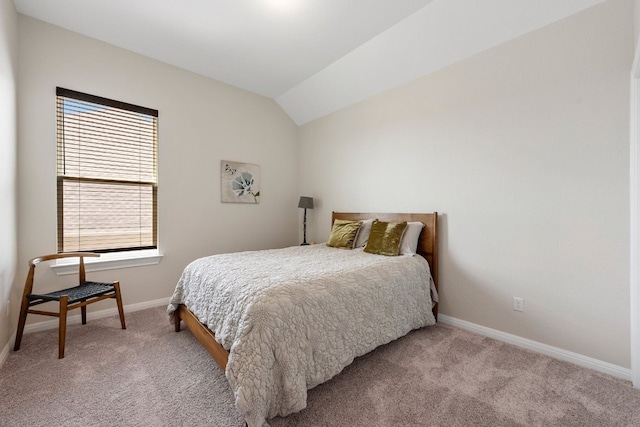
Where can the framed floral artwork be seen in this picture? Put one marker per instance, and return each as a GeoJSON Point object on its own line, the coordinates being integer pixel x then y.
{"type": "Point", "coordinates": [239, 182]}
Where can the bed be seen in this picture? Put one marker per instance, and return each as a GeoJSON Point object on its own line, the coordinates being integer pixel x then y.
{"type": "Point", "coordinates": [282, 321]}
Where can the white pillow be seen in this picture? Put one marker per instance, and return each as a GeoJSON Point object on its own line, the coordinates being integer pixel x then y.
{"type": "Point", "coordinates": [363, 234]}
{"type": "Point", "coordinates": [409, 242]}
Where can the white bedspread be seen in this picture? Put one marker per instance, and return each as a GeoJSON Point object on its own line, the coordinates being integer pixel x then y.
{"type": "Point", "coordinates": [293, 318]}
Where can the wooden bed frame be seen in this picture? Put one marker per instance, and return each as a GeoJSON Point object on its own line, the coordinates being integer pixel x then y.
{"type": "Point", "coordinates": [427, 247]}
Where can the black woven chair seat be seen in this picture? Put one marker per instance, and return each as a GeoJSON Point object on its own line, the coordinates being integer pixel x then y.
{"type": "Point", "coordinates": [78, 293]}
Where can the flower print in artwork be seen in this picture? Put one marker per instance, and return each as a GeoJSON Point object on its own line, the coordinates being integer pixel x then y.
{"type": "Point", "coordinates": [240, 182]}
{"type": "Point", "coordinates": [243, 184]}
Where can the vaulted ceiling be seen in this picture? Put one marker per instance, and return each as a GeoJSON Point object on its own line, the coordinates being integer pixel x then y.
{"type": "Point", "coordinates": [312, 56]}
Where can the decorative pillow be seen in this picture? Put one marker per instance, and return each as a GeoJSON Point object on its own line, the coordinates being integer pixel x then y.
{"type": "Point", "coordinates": [409, 243]}
{"type": "Point", "coordinates": [363, 233]}
{"type": "Point", "coordinates": [343, 233]}
{"type": "Point", "coordinates": [385, 237]}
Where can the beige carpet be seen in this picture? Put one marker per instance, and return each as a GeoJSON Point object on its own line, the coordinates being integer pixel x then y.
{"type": "Point", "coordinates": [149, 375]}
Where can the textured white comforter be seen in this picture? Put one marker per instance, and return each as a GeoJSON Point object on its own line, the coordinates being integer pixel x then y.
{"type": "Point", "coordinates": [293, 318]}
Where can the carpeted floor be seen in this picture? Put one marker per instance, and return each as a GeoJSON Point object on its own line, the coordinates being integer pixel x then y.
{"type": "Point", "coordinates": [149, 375]}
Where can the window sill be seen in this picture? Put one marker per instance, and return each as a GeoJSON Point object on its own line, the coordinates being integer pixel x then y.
{"type": "Point", "coordinates": [108, 262]}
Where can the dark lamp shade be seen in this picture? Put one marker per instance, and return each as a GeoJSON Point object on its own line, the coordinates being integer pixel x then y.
{"type": "Point", "coordinates": [305, 202]}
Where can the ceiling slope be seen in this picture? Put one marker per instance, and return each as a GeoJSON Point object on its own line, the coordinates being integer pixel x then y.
{"type": "Point", "coordinates": [434, 37]}
{"type": "Point", "coordinates": [264, 46]}
{"type": "Point", "coordinates": [313, 57]}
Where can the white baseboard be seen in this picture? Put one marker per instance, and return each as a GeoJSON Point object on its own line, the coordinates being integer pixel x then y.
{"type": "Point", "coordinates": [547, 350]}
{"type": "Point", "coordinates": [77, 319]}
{"type": "Point", "coordinates": [555, 352]}
{"type": "Point", "coordinates": [6, 349]}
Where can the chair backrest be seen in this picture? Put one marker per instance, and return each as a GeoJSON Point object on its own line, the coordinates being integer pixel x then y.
{"type": "Point", "coordinates": [28, 286]}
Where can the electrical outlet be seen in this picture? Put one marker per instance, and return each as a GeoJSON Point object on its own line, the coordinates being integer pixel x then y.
{"type": "Point", "coordinates": [518, 304]}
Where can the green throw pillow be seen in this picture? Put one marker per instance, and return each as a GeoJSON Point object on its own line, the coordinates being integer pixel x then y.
{"type": "Point", "coordinates": [343, 233]}
{"type": "Point", "coordinates": [385, 238]}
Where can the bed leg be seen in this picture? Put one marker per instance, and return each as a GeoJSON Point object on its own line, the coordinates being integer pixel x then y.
{"type": "Point", "coordinates": [176, 323]}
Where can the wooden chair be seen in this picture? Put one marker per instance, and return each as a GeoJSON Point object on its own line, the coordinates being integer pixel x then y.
{"type": "Point", "coordinates": [76, 297]}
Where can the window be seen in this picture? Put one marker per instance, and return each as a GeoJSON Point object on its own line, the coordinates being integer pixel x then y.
{"type": "Point", "coordinates": [107, 174]}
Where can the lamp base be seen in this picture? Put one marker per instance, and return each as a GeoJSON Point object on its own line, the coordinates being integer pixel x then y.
{"type": "Point", "coordinates": [304, 244]}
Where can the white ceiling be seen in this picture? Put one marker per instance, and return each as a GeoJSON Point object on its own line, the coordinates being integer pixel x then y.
{"type": "Point", "coordinates": [312, 56]}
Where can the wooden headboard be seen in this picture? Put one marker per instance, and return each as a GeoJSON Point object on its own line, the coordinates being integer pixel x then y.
{"type": "Point", "coordinates": [428, 242]}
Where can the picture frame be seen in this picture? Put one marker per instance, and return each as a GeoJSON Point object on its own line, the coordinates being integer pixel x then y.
{"type": "Point", "coordinates": [239, 182]}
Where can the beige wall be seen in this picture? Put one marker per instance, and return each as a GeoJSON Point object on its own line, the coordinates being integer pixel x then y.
{"type": "Point", "coordinates": [524, 151]}
{"type": "Point", "coordinates": [8, 143]}
{"type": "Point", "coordinates": [637, 18]}
{"type": "Point", "coordinates": [201, 122]}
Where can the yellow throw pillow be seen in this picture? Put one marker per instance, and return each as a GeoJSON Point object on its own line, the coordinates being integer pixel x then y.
{"type": "Point", "coordinates": [385, 238]}
{"type": "Point", "coordinates": [343, 233]}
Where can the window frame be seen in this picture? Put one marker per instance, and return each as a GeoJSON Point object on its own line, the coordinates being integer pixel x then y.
{"type": "Point", "coordinates": [62, 177]}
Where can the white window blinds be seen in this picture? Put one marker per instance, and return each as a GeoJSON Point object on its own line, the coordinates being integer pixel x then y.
{"type": "Point", "coordinates": [107, 174]}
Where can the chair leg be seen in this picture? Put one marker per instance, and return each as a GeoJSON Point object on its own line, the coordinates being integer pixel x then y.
{"type": "Point", "coordinates": [116, 285]}
{"type": "Point", "coordinates": [24, 307]}
{"type": "Point", "coordinates": [83, 311]}
{"type": "Point", "coordinates": [63, 325]}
